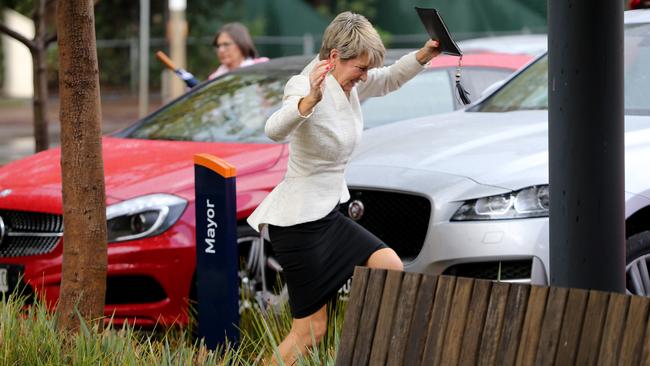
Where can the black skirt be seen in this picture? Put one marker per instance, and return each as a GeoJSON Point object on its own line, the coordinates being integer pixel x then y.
{"type": "Point", "coordinates": [318, 257]}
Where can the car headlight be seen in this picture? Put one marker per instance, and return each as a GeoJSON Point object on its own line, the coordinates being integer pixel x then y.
{"type": "Point", "coordinates": [528, 202]}
{"type": "Point", "coordinates": [143, 216]}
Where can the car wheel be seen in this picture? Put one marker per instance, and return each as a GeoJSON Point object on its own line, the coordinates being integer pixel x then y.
{"type": "Point", "coordinates": [259, 272]}
{"type": "Point", "coordinates": [638, 258]}
{"type": "Point", "coordinates": [260, 275]}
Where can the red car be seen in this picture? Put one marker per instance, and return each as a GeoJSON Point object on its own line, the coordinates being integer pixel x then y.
{"type": "Point", "coordinates": [150, 187]}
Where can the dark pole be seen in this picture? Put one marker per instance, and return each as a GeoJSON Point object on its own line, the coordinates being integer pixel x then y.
{"type": "Point", "coordinates": [586, 146]}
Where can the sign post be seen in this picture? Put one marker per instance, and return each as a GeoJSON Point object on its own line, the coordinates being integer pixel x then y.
{"type": "Point", "coordinates": [216, 250]}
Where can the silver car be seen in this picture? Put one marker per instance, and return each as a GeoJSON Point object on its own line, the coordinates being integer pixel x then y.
{"type": "Point", "coordinates": [466, 193]}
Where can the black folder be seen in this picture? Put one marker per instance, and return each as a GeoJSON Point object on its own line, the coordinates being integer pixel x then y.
{"type": "Point", "coordinates": [436, 28]}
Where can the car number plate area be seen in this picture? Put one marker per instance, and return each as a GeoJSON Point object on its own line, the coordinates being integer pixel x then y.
{"type": "Point", "coordinates": [10, 275]}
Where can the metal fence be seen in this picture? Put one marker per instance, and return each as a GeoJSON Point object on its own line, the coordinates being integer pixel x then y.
{"type": "Point", "coordinates": [119, 58]}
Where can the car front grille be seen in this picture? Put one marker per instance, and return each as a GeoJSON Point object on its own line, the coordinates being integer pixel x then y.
{"type": "Point", "coordinates": [504, 270]}
{"type": "Point", "coordinates": [28, 233]}
{"type": "Point", "coordinates": [400, 220]}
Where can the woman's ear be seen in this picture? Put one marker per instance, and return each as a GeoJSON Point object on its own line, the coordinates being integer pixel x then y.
{"type": "Point", "coordinates": [334, 55]}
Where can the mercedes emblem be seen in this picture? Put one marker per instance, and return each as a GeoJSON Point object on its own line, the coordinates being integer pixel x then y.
{"type": "Point", "coordinates": [356, 210]}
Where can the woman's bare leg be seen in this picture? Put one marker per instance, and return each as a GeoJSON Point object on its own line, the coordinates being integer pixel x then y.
{"type": "Point", "coordinates": [303, 332]}
{"type": "Point", "coordinates": [313, 327]}
{"type": "Point", "coordinates": [385, 259]}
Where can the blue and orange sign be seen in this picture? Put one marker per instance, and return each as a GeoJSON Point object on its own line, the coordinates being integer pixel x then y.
{"type": "Point", "coordinates": [216, 250]}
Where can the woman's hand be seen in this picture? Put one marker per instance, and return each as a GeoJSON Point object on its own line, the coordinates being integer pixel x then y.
{"type": "Point", "coordinates": [316, 85]}
{"type": "Point", "coordinates": [430, 50]}
{"type": "Point", "coordinates": [317, 79]}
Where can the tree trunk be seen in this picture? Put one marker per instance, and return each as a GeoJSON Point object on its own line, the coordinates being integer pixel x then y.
{"type": "Point", "coordinates": [83, 282]}
{"type": "Point", "coordinates": [39, 102]}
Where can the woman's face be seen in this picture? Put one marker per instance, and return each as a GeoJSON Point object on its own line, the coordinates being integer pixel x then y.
{"type": "Point", "coordinates": [349, 72]}
{"type": "Point", "coordinates": [228, 52]}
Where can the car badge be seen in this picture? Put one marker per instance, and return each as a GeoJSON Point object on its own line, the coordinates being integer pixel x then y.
{"type": "Point", "coordinates": [2, 230]}
{"type": "Point", "coordinates": [356, 210]}
{"type": "Point", "coordinates": [5, 192]}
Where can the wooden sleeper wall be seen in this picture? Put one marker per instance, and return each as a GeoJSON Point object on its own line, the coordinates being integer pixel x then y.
{"type": "Point", "coordinates": [398, 318]}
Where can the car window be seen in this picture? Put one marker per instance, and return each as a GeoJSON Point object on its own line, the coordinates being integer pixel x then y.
{"type": "Point", "coordinates": [637, 69]}
{"type": "Point", "coordinates": [232, 109]}
{"type": "Point", "coordinates": [476, 79]}
{"type": "Point", "coordinates": [428, 93]}
{"type": "Point", "coordinates": [529, 89]}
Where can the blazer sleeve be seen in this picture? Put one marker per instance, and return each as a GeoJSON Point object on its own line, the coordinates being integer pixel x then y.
{"type": "Point", "coordinates": [286, 119]}
{"type": "Point", "coordinates": [384, 80]}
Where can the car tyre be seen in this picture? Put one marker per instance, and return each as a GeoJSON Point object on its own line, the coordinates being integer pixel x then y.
{"type": "Point", "coordinates": [263, 290]}
{"type": "Point", "coordinates": [637, 271]}
{"type": "Point", "coordinates": [259, 272]}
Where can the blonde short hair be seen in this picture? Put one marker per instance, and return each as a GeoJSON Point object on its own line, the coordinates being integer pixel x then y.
{"type": "Point", "coordinates": [353, 35]}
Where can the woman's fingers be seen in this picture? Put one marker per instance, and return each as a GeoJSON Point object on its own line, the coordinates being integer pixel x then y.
{"type": "Point", "coordinates": [434, 46]}
{"type": "Point", "coordinates": [321, 69]}
{"type": "Point", "coordinates": [317, 76]}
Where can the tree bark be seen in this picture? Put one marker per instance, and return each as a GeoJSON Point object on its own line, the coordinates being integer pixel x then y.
{"type": "Point", "coordinates": [39, 102]}
{"type": "Point", "coordinates": [38, 48]}
{"type": "Point", "coordinates": [83, 282]}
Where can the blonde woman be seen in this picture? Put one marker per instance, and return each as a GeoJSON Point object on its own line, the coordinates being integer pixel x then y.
{"type": "Point", "coordinates": [316, 245]}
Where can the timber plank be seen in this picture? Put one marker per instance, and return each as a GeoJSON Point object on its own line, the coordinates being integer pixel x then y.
{"type": "Point", "coordinates": [513, 322]}
{"type": "Point", "coordinates": [637, 318]}
{"type": "Point", "coordinates": [385, 319]}
{"type": "Point", "coordinates": [613, 329]}
{"type": "Point", "coordinates": [592, 328]}
{"type": "Point", "coordinates": [493, 324]}
{"type": "Point", "coordinates": [457, 320]}
{"type": "Point", "coordinates": [403, 318]}
{"type": "Point", "coordinates": [421, 317]}
{"type": "Point", "coordinates": [369, 314]}
{"type": "Point", "coordinates": [551, 325]}
{"type": "Point", "coordinates": [574, 315]}
{"type": "Point", "coordinates": [398, 318]}
{"type": "Point", "coordinates": [439, 318]}
{"type": "Point", "coordinates": [530, 332]}
{"type": "Point", "coordinates": [352, 316]}
{"type": "Point", "coordinates": [645, 355]}
{"type": "Point", "coordinates": [471, 337]}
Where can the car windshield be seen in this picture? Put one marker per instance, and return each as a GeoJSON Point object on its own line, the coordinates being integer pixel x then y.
{"type": "Point", "coordinates": [235, 107]}
{"type": "Point", "coordinates": [232, 109]}
{"type": "Point", "coordinates": [419, 94]}
{"type": "Point", "coordinates": [529, 89]}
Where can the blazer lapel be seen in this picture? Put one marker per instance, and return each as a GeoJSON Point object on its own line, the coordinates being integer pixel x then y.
{"type": "Point", "coordinates": [349, 109]}
{"type": "Point", "coordinates": [337, 94]}
{"type": "Point", "coordinates": [355, 105]}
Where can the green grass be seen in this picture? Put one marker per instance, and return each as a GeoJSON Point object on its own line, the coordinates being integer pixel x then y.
{"type": "Point", "coordinates": [28, 336]}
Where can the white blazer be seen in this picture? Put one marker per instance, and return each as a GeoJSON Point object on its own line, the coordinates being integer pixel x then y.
{"type": "Point", "coordinates": [321, 144]}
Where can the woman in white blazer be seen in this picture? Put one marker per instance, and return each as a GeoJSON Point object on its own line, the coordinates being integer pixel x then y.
{"type": "Point", "coordinates": [321, 119]}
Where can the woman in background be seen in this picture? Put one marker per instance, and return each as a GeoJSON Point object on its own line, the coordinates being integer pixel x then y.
{"type": "Point", "coordinates": [234, 48]}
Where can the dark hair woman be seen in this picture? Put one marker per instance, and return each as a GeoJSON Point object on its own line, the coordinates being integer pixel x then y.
{"type": "Point", "coordinates": [234, 48]}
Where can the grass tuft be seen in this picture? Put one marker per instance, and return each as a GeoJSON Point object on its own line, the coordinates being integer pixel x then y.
{"type": "Point", "coordinates": [28, 336]}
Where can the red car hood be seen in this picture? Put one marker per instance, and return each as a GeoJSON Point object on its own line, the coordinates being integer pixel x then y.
{"type": "Point", "coordinates": [136, 167]}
